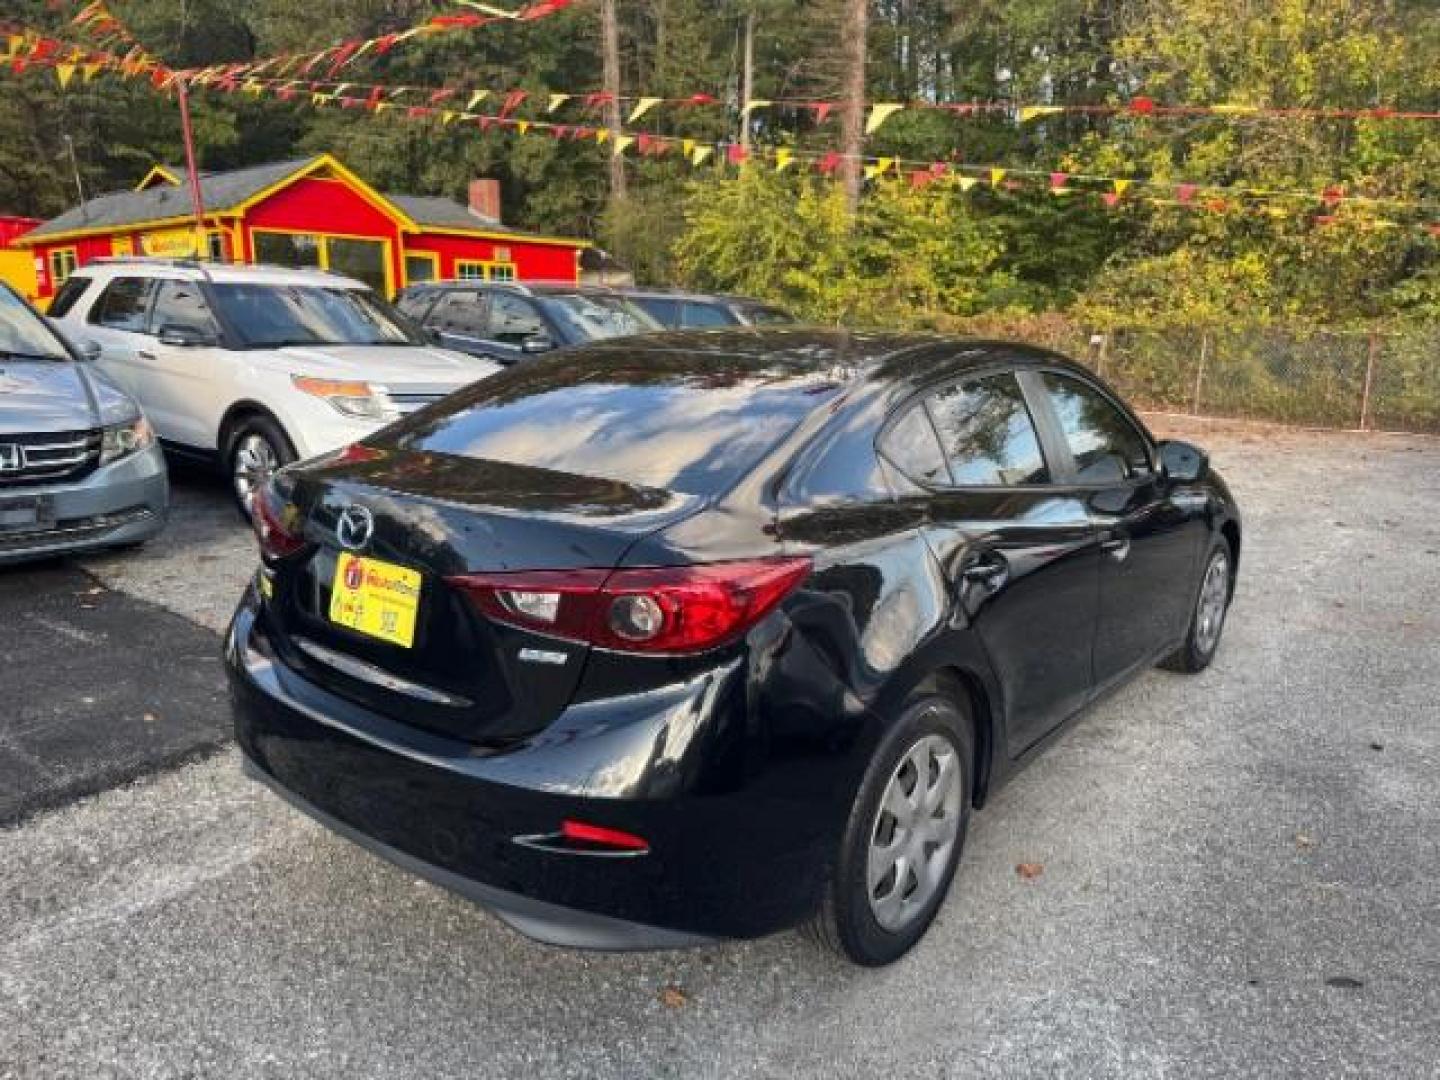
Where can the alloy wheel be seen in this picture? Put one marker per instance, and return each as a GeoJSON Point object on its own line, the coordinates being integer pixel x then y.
{"type": "Point", "coordinates": [255, 462]}
{"type": "Point", "coordinates": [1214, 598]}
{"type": "Point", "coordinates": [915, 832]}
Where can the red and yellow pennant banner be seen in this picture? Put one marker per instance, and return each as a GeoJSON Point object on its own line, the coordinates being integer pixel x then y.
{"type": "Point", "coordinates": [109, 33]}
{"type": "Point", "coordinates": [22, 50]}
{"type": "Point", "coordinates": [335, 58]}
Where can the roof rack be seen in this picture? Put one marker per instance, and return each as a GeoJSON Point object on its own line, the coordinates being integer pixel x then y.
{"type": "Point", "coordinates": [152, 260]}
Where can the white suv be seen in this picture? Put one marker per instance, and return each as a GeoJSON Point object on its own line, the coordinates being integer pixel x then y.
{"type": "Point", "coordinates": [253, 366]}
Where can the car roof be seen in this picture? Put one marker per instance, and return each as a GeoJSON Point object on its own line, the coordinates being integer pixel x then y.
{"type": "Point", "coordinates": [225, 273]}
{"type": "Point", "coordinates": [523, 288]}
{"type": "Point", "coordinates": [888, 358]}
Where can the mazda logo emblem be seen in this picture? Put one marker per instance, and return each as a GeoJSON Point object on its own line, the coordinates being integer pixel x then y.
{"type": "Point", "coordinates": [12, 457]}
{"type": "Point", "coordinates": [356, 527]}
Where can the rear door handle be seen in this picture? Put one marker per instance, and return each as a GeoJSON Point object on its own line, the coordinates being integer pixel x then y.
{"type": "Point", "coordinates": [143, 355]}
{"type": "Point", "coordinates": [990, 570]}
{"type": "Point", "coordinates": [1117, 547]}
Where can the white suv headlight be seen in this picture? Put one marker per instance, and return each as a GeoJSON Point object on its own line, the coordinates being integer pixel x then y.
{"type": "Point", "coordinates": [121, 440]}
{"type": "Point", "coordinates": [355, 399]}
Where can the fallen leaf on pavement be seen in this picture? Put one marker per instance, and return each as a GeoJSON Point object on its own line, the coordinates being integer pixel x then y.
{"type": "Point", "coordinates": [672, 997]}
{"type": "Point", "coordinates": [1029, 870]}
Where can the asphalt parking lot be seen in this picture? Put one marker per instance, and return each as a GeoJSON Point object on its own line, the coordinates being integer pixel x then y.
{"type": "Point", "coordinates": [1238, 872]}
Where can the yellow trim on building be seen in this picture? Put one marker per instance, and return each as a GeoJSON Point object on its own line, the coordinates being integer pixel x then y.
{"type": "Point", "coordinates": [433, 257]}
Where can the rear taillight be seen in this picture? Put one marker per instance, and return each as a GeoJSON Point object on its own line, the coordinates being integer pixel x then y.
{"type": "Point", "coordinates": [276, 522]}
{"type": "Point", "coordinates": [662, 609]}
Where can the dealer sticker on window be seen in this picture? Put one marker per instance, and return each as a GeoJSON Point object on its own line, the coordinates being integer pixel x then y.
{"type": "Point", "coordinates": [376, 598]}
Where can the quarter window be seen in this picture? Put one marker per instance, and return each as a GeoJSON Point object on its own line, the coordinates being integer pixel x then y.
{"type": "Point", "coordinates": [1104, 443]}
{"type": "Point", "coordinates": [987, 434]}
{"type": "Point", "coordinates": [459, 313]}
{"type": "Point", "coordinates": [124, 305]}
{"type": "Point", "coordinates": [911, 446]}
{"type": "Point", "coordinates": [512, 320]}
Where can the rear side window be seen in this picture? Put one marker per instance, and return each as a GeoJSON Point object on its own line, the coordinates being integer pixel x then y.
{"type": "Point", "coordinates": [911, 446]}
{"type": "Point", "coordinates": [665, 312]}
{"type": "Point", "coordinates": [415, 304]}
{"type": "Point", "coordinates": [654, 419]}
{"type": "Point", "coordinates": [459, 313]}
{"type": "Point", "coordinates": [703, 315]}
{"type": "Point", "coordinates": [70, 292]}
{"type": "Point", "coordinates": [124, 305]}
{"type": "Point", "coordinates": [1105, 444]}
{"type": "Point", "coordinates": [987, 434]}
{"type": "Point", "coordinates": [181, 304]}
{"type": "Point", "coordinates": [513, 319]}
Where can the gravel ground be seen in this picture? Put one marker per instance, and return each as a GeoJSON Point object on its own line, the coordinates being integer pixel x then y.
{"type": "Point", "coordinates": [1240, 874]}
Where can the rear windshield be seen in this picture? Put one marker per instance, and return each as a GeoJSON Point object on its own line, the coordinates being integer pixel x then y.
{"type": "Point", "coordinates": [688, 423]}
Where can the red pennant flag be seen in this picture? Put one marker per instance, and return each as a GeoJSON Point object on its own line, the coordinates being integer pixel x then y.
{"type": "Point", "coordinates": [939, 168]}
{"type": "Point", "coordinates": [829, 163]}
{"type": "Point", "coordinates": [1434, 228]}
{"type": "Point", "coordinates": [373, 101]}
{"type": "Point", "coordinates": [1111, 198]}
{"type": "Point", "coordinates": [1326, 219]}
{"type": "Point", "coordinates": [643, 141]}
{"type": "Point", "coordinates": [384, 44]}
{"type": "Point", "coordinates": [700, 99]}
{"type": "Point", "coordinates": [921, 177]}
{"type": "Point", "coordinates": [417, 112]}
{"type": "Point", "coordinates": [512, 101]}
{"type": "Point", "coordinates": [1057, 180]}
{"type": "Point", "coordinates": [1217, 206]}
{"type": "Point", "coordinates": [736, 154]}
{"type": "Point", "coordinates": [351, 102]}
{"type": "Point", "coordinates": [285, 93]}
{"type": "Point", "coordinates": [441, 95]}
{"type": "Point", "coordinates": [158, 78]}
{"type": "Point", "coordinates": [594, 101]}
{"type": "Point", "coordinates": [582, 133]}
{"type": "Point", "coordinates": [1332, 195]}
{"type": "Point", "coordinates": [342, 57]}
{"type": "Point", "coordinates": [559, 131]}
{"type": "Point", "coordinates": [1185, 192]}
{"type": "Point", "coordinates": [821, 109]}
{"type": "Point", "coordinates": [1142, 105]}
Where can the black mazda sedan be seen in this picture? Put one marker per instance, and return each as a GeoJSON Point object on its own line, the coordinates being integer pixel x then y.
{"type": "Point", "coordinates": [711, 634]}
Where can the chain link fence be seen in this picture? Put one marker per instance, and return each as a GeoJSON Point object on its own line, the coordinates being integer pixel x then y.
{"type": "Point", "coordinates": [1382, 380]}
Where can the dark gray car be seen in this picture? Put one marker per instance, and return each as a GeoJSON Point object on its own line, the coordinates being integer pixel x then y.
{"type": "Point", "coordinates": [79, 465]}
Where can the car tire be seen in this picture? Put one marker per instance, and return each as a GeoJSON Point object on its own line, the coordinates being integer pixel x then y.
{"type": "Point", "coordinates": [871, 915]}
{"type": "Point", "coordinates": [256, 446]}
{"type": "Point", "coordinates": [1207, 616]}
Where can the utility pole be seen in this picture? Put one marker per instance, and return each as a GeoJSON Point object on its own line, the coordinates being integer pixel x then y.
{"type": "Point", "coordinates": [197, 201]}
{"type": "Point", "coordinates": [747, 77]}
{"type": "Point", "coordinates": [610, 50]}
{"type": "Point", "coordinates": [853, 40]}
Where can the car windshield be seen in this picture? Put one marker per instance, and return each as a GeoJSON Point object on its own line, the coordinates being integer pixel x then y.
{"type": "Point", "coordinates": [592, 318]}
{"type": "Point", "coordinates": [269, 316]}
{"type": "Point", "coordinates": [22, 334]}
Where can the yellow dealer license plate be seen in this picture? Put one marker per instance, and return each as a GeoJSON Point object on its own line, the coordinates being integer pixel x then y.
{"type": "Point", "coordinates": [376, 598]}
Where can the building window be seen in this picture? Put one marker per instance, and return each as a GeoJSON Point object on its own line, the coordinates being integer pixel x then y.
{"type": "Point", "coordinates": [421, 267]}
{"type": "Point", "coordinates": [62, 265]}
{"type": "Point", "coordinates": [215, 246]}
{"type": "Point", "coordinates": [476, 270]}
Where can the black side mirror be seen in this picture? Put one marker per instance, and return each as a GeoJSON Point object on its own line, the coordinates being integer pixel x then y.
{"type": "Point", "coordinates": [1184, 463]}
{"type": "Point", "coordinates": [185, 337]}
{"type": "Point", "coordinates": [537, 343]}
{"type": "Point", "coordinates": [434, 336]}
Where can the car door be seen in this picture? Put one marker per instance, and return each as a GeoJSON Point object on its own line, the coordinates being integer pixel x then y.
{"type": "Point", "coordinates": [513, 321]}
{"type": "Point", "coordinates": [1150, 538]}
{"type": "Point", "coordinates": [116, 321]}
{"type": "Point", "coordinates": [188, 382]}
{"type": "Point", "coordinates": [1020, 552]}
{"type": "Point", "coordinates": [460, 318]}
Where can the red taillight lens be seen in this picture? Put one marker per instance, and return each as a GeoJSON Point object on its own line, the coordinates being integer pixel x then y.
{"type": "Point", "coordinates": [276, 524]}
{"type": "Point", "coordinates": [662, 609]}
{"type": "Point", "coordinates": [579, 832]}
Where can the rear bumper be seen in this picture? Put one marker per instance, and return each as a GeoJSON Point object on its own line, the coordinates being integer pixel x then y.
{"type": "Point", "coordinates": [124, 503]}
{"type": "Point", "coordinates": [740, 858]}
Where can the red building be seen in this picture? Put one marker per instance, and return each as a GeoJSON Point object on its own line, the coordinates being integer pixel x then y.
{"type": "Point", "coordinates": [311, 212]}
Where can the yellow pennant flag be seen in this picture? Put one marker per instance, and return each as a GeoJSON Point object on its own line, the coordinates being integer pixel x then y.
{"type": "Point", "coordinates": [601, 134]}
{"type": "Point", "coordinates": [996, 175]}
{"type": "Point", "coordinates": [556, 100]}
{"type": "Point", "coordinates": [783, 157]}
{"type": "Point", "coordinates": [91, 70]}
{"type": "Point", "coordinates": [967, 182]}
{"type": "Point", "coordinates": [879, 114]}
{"type": "Point", "coordinates": [476, 98]}
{"type": "Point", "coordinates": [687, 147]}
{"type": "Point", "coordinates": [869, 172]}
{"type": "Point", "coordinates": [644, 105]}
{"type": "Point", "coordinates": [449, 117]}
{"type": "Point", "coordinates": [701, 153]}
{"type": "Point", "coordinates": [751, 106]}
{"type": "Point", "coordinates": [623, 143]}
{"type": "Point", "coordinates": [1233, 110]}
{"type": "Point", "coordinates": [1122, 186]}
{"type": "Point", "coordinates": [255, 89]}
{"type": "Point", "coordinates": [522, 126]}
{"type": "Point", "coordinates": [884, 165]}
{"type": "Point", "coordinates": [64, 72]}
{"type": "Point", "coordinates": [319, 100]}
{"type": "Point", "coordinates": [1030, 112]}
